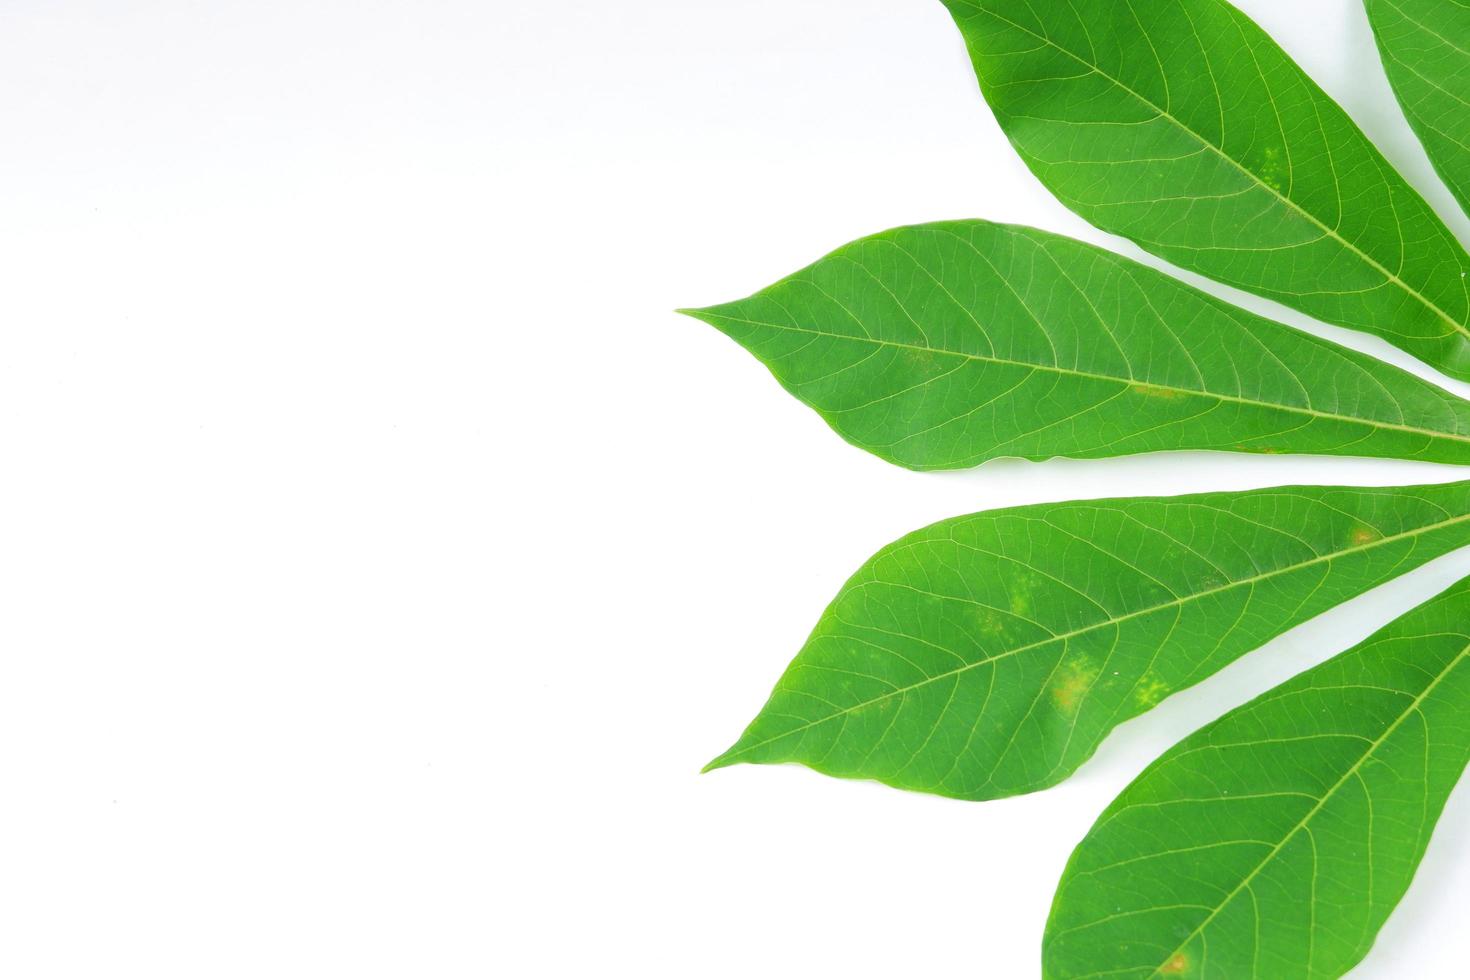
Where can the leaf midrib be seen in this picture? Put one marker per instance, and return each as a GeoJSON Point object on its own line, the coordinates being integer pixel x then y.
{"type": "Point", "coordinates": [1383, 270]}
{"type": "Point", "coordinates": [733, 754]}
{"type": "Point", "coordinates": [1094, 376]}
{"type": "Point", "coordinates": [1352, 771]}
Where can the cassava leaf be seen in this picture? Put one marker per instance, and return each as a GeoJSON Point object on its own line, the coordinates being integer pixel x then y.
{"type": "Point", "coordinates": [1274, 842]}
{"type": "Point", "coordinates": [988, 655]}
{"type": "Point", "coordinates": [947, 344]}
{"type": "Point", "coordinates": [1425, 46]}
{"type": "Point", "coordinates": [1181, 125]}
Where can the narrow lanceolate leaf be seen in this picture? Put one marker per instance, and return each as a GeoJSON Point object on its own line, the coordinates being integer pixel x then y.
{"type": "Point", "coordinates": [1274, 843]}
{"type": "Point", "coordinates": [1181, 125]}
{"type": "Point", "coordinates": [947, 344]}
{"type": "Point", "coordinates": [988, 655]}
{"type": "Point", "coordinates": [1425, 46]}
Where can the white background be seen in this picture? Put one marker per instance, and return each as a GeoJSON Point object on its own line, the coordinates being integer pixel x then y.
{"type": "Point", "coordinates": [381, 558]}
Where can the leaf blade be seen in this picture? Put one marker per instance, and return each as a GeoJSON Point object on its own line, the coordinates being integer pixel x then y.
{"type": "Point", "coordinates": [944, 345]}
{"type": "Point", "coordinates": [1430, 74]}
{"type": "Point", "coordinates": [1182, 126]}
{"type": "Point", "coordinates": [1313, 803]}
{"type": "Point", "coordinates": [989, 655]}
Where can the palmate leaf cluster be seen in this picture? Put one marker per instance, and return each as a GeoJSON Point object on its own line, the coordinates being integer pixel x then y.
{"type": "Point", "coordinates": [990, 654]}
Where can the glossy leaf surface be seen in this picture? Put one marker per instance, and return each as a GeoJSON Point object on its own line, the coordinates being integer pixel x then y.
{"type": "Point", "coordinates": [989, 655]}
{"type": "Point", "coordinates": [1426, 51]}
{"type": "Point", "coordinates": [1181, 125]}
{"type": "Point", "coordinates": [948, 344]}
{"type": "Point", "coordinates": [1274, 842]}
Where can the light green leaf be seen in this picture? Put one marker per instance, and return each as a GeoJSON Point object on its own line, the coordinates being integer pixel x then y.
{"type": "Point", "coordinates": [1425, 46]}
{"type": "Point", "coordinates": [1274, 842]}
{"type": "Point", "coordinates": [989, 655]}
{"type": "Point", "coordinates": [944, 345]}
{"type": "Point", "coordinates": [1180, 124]}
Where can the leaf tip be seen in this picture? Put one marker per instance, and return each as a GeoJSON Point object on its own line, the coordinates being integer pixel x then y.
{"type": "Point", "coordinates": [698, 313]}
{"type": "Point", "coordinates": [718, 762]}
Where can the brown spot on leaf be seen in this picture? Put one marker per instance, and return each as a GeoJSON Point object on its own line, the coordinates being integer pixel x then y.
{"type": "Point", "coordinates": [1177, 964]}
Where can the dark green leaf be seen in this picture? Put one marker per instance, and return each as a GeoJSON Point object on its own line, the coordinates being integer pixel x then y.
{"type": "Point", "coordinates": [1426, 50]}
{"type": "Point", "coordinates": [1181, 125]}
{"type": "Point", "coordinates": [944, 345]}
{"type": "Point", "coordinates": [1275, 842]}
{"type": "Point", "coordinates": [989, 655]}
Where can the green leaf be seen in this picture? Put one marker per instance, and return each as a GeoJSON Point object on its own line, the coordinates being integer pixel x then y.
{"type": "Point", "coordinates": [1181, 125]}
{"type": "Point", "coordinates": [1425, 46]}
{"type": "Point", "coordinates": [944, 345]}
{"type": "Point", "coordinates": [989, 655]}
{"type": "Point", "coordinates": [1275, 841]}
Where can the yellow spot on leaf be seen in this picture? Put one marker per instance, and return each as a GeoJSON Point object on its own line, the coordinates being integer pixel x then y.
{"type": "Point", "coordinates": [1273, 169]}
{"type": "Point", "coordinates": [1365, 535]}
{"type": "Point", "coordinates": [1150, 691]}
{"type": "Point", "coordinates": [921, 360]}
{"type": "Point", "coordinates": [1177, 964]}
{"type": "Point", "coordinates": [1154, 391]}
{"type": "Point", "coordinates": [1073, 682]}
{"type": "Point", "coordinates": [1021, 589]}
{"type": "Point", "coordinates": [990, 623]}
